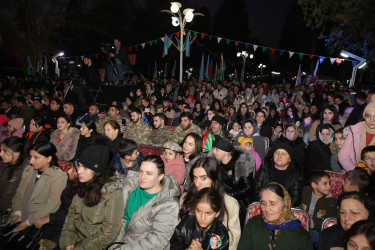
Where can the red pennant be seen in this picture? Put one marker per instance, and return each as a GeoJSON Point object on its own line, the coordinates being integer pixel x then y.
{"type": "Point", "coordinates": [192, 40]}
{"type": "Point", "coordinates": [338, 61]}
{"type": "Point", "coordinates": [311, 56]}
{"type": "Point", "coordinates": [236, 43]}
{"type": "Point", "coordinates": [96, 56]}
{"type": "Point", "coordinates": [202, 35]}
{"type": "Point", "coordinates": [130, 49]}
{"type": "Point", "coordinates": [59, 59]}
{"type": "Point", "coordinates": [273, 51]}
{"type": "Point", "coordinates": [178, 34]}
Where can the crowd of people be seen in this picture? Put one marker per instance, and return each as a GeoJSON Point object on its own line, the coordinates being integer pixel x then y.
{"type": "Point", "coordinates": [76, 172]}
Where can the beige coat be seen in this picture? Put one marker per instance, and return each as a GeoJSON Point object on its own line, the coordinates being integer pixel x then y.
{"type": "Point", "coordinates": [46, 196]}
{"type": "Point", "coordinates": [233, 223]}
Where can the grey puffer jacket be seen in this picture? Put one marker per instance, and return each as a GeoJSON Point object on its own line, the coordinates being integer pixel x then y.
{"type": "Point", "coordinates": [152, 225]}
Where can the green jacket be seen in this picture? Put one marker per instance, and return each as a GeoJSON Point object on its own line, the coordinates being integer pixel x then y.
{"type": "Point", "coordinates": [94, 227]}
{"type": "Point", "coordinates": [257, 236]}
{"type": "Point", "coordinates": [140, 132]}
{"type": "Point", "coordinates": [180, 134]}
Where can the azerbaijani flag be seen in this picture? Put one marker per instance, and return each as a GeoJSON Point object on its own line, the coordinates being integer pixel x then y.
{"type": "Point", "coordinates": [155, 74]}
{"type": "Point", "coordinates": [165, 70]}
{"type": "Point", "coordinates": [222, 68]}
{"type": "Point", "coordinates": [174, 69]}
{"type": "Point", "coordinates": [313, 78]}
{"type": "Point", "coordinates": [202, 69]}
{"type": "Point", "coordinates": [299, 80]}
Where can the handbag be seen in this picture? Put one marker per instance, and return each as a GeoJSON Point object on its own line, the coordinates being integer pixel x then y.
{"type": "Point", "coordinates": [27, 239]}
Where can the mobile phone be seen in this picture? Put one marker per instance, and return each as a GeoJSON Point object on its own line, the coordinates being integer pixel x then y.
{"type": "Point", "coordinates": [124, 121]}
{"type": "Point", "coordinates": [147, 110]}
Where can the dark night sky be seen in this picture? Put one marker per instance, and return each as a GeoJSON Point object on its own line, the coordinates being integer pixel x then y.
{"type": "Point", "coordinates": [266, 17]}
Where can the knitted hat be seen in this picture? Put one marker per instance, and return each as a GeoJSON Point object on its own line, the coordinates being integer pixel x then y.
{"type": "Point", "coordinates": [3, 119]}
{"type": "Point", "coordinates": [95, 157]}
{"type": "Point", "coordinates": [370, 106]}
{"type": "Point", "coordinates": [219, 119]}
{"type": "Point", "coordinates": [285, 146]}
{"type": "Point", "coordinates": [172, 146]}
{"type": "Point", "coordinates": [223, 144]}
{"type": "Point", "coordinates": [243, 140]}
{"type": "Point", "coordinates": [16, 123]}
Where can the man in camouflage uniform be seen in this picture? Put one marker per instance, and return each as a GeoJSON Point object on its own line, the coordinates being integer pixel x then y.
{"type": "Point", "coordinates": [186, 127]}
{"type": "Point", "coordinates": [160, 134]}
{"type": "Point", "coordinates": [137, 130]}
{"type": "Point", "coordinates": [113, 114]}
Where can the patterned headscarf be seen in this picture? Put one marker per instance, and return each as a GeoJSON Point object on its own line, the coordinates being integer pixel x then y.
{"type": "Point", "coordinates": [286, 215]}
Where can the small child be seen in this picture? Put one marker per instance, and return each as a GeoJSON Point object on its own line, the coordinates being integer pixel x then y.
{"type": "Point", "coordinates": [356, 180]}
{"type": "Point", "coordinates": [236, 129]}
{"type": "Point", "coordinates": [128, 157]}
{"type": "Point", "coordinates": [15, 127]}
{"type": "Point", "coordinates": [335, 147]}
{"type": "Point", "coordinates": [368, 163]}
{"type": "Point", "coordinates": [318, 202]}
{"type": "Point", "coordinates": [203, 229]}
{"type": "Point", "coordinates": [247, 144]}
{"type": "Point", "coordinates": [174, 164]}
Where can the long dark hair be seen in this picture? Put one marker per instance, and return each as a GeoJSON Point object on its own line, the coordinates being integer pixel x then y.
{"type": "Point", "coordinates": [46, 149]}
{"type": "Point", "coordinates": [335, 112]}
{"type": "Point", "coordinates": [198, 144]}
{"type": "Point", "coordinates": [212, 197]}
{"type": "Point", "coordinates": [90, 124]}
{"type": "Point", "coordinates": [91, 191]}
{"type": "Point", "coordinates": [15, 145]}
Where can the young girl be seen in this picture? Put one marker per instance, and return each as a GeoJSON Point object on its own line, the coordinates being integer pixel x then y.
{"type": "Point", "coordinates": [247, 144]}
{"type": "Point", "coordinates": [174, 162]}
{"type": "Point", "coordinates": [202, 229]}
{"type": "Point", "coordinates": [335, 147]}
{"type": "Point", "coordinates": [15, 127]}
{"type": "Point", "coordinates": [236, 129]}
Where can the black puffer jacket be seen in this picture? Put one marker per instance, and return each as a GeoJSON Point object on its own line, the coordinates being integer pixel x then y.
{"type": "Point", "coordinates": [188, 229]}
{"type": "Point", "coordinates": [298, 147]}
{"type": "Point", "coordinates": [293, 183]}
{"type": "Point", "coordinates": [318, 156]}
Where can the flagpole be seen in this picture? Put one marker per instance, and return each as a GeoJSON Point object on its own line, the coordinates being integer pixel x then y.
{"type": "Point", "coordinates": [181, 49]}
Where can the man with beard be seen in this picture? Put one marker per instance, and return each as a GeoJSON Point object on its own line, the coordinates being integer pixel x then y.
{"type": "Point", "coordinates": [113, 114]}
{"type": "Point", "coordinates": [93, 115]}
{"type": "Point", "coordinates": [160, 134]}
{"type": "Point", "coordinates": [186, 127]}
{"type": "Point", "coordinates": [137, 130]}
{"type": "Point", "coordinates": [216, 130]}
{"type": "Point", "coordinates": [39, 108]}
{"type": "Point", "coordinates": [167, 110]}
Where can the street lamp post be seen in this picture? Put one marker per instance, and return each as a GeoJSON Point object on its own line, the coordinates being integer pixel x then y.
{"type": "Point", "coordinates": [244, 56]}
{"type": "Point", "coordinates": [54, 59]}
{"type": "Point", "coordinates": [361, 64]}
{"type": "Point", "coordinates": [261, 66]}
{"type": "Point", "coordinates": [179, 20]}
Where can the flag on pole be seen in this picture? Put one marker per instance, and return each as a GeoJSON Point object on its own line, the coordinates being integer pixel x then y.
{"type": "Point", "coordinates": [166, 70]}
{"type": "Point", "coordinates": [216, 71]}
{"type": "Point", "coordinates": [167, 44]}
{"type": "Point", "coordinates": [38, 68]}
{"type": "Point", "coordinates": [201, 69]}
{"type": "Point", "coordinates": [313, 78]}
{"type": "Point", "coordinates": [210, 71]}
{"type": "Point", "coordinates": [142, 76]}
{"type": "Point", "coordinates": [299, 74]}
{"type": "Point", "coordinates": [207, 66]}
{"type": "Point", "coordinates": [222, 68]}
{"type": "Point", "coordinates": [235, 75]}
{"type": "Point", "coordinates": [155, 74]}
{"type": "Point", "coordinates": [46, 66]}
{"type": "Point", "coordinates": [187, 45]}
{"type": "Point", "coordinates": [29, 66]}
{"type": "Point", "coordinates": [174, 69]}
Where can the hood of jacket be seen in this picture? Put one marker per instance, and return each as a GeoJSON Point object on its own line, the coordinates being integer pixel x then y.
{"type": "Point", "coordinates": [113, 183]}
{"type": "Point", "coordinates": [242, 160]}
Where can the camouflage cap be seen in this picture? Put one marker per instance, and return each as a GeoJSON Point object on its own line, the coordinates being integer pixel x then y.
{"type": "Point", "coordinates": [172, 146]}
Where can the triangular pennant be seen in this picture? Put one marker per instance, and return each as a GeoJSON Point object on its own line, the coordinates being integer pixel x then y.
{"type": "Point", "coordinates": [338, 61]}
{"type": "Point", "coordinates": [195, 33]}
{"type": "Point", "coordinates": [311, 56]}
{"type": "Point", "coordinates": [150, 43]}
{"type": "Point", "coordinates": [354, 63]}
{"type": "Point", "coordinates": [332, 60]}
{"type": "Point", "coordinates": [321, 59]}
{"type": "Point", "coordinates": [143, 45]}
{"type": "Point", "coordinates": [170, 36]}
{"type": "Point", "coordinates": [209, 38]}
{"type": "Point", "coordinates": [255, 47]}
{"type": "Point", "coordinates": [246, 45]}
{"type": "Point", "coordinates": [301, 56]}
{"type": "Point", "coordinates": [264, 49]}
{"type": "Point", "coordinates": [291, 54]}
{"type": "Point", "coordinates": [282, 52]}
{"type": "Point", "coordinates": [273, 50]}
{"type": "Point", "coordinates": [228, 41]}
{"type": "Point", "coordinates": [162, 39]}
{"type": "Point", "coordinates": [155, 41]}
{"type": "Point", "coordinates": [136, 48]}
{"type": "Point", "coordinates": [219, 39]}
{"type": "Point", "coordinates": [236, 43]}
{"type": "Point", "coordinates": [202, 35]}
{"type": "Point", "coordinates": [130, 48]}
{"type": "Point", "coordinates": [178, 34]}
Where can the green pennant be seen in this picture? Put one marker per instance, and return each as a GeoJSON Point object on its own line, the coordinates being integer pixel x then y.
{"type": "Point", "coordinates": [301, 56]}
{"type": "Point", "coordinates": [264, 49]}
{"type": "Point", "coordinates": [228, 41]}
{"type": "Point", "coordinates": [195, 33]}
{"type": "Point", "coordinates": [155, 41]}
{"type": "Point", "coordinates": [150, 43]}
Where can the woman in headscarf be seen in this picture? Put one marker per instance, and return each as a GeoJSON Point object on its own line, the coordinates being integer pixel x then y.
{"type": "Point", "coordinates": [276, 227]}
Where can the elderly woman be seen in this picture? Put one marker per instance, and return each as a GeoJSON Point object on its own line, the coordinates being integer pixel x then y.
{"type": "Point", "coordinates": [354, 206]}
{"type": "Point", "coordinates": [281, 169]}
{"type": "Point", "coordinates": [358, 136]}
{"type": "Point", "coordinates": [151, 207]}
{"type": "Point", "coordinates": [276, 227]}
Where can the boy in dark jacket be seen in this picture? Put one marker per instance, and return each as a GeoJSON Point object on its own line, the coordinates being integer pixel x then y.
{"type": "Point", "coordinates": [318, 202]}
